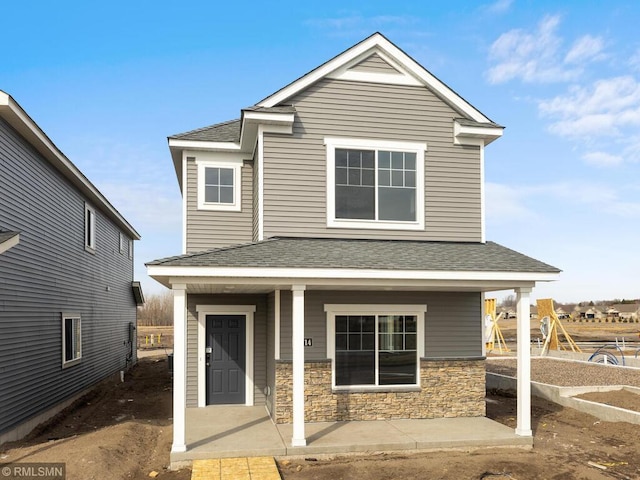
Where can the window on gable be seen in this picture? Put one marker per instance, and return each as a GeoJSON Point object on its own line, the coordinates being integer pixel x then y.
{"type": "Point", "coordinates": [71, 339]}
{"type": "Point", "coordinates": [219, 186]}
{"type": "Point", "coordinates": [89, 228]}
{"type": "Point", "coordinates": [376, 186]}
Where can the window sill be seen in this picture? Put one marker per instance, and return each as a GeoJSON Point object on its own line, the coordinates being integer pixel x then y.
{"type": "Point", "coordinates": [89, 249]}
{"type": "Point", "coordinates": [71, 363]}
{"type": "Point", "coordinates": [378, 389]}
{"type": "Point", "coordinates": [375, 225]}
{"type": "Point", "coordinates": [219, 207]}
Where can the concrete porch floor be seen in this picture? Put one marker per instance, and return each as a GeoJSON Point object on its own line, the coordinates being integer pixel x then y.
{"type": "Point", "coordinates": [239, 431]}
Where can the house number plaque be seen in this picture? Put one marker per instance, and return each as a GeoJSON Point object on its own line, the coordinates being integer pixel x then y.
{"type": "Point", "coordinates": [308, 342]}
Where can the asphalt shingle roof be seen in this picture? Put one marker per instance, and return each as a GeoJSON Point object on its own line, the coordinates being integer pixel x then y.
{"type": "Point", "coordinates": [228, 131]}
{"type": "Point", "coordinates": [467, 122]}
{"type": "Point", "coordinates": [364, 254]}
{"type": "Point", "coordinates": [220, 132]}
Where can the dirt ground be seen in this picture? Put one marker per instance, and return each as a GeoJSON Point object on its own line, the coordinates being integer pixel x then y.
{"type": "Point", "coordinates": [123, 431]}
{"type": "Point", "coordinates": [118, 431]}
{"type": "Point", "coordinates": [565, 441]}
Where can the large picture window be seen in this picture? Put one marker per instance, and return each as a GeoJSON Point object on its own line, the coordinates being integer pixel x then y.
{"type": "Point", "coordinates": [375, 349]}
{"type": "Point", "coordinates": [375, 184]}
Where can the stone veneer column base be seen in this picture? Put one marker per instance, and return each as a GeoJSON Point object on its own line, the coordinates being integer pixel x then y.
{"type": "Point", "coordinates": [449, 388]}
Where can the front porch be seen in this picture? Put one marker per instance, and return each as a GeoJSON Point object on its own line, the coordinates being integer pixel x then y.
{"type": "Point", "coordinates": [240, 431]}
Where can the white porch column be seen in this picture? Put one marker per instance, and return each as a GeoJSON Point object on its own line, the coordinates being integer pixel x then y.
{"type": "Point", "coordinates": [523, 426]}
{"type": "Point", "coordinates": [179, 367]}
{"type": "Point", "coordinates": [297, 314]}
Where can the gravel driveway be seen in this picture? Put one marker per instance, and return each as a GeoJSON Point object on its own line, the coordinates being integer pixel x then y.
{"type": "Point", "coordinates": [569, 373]}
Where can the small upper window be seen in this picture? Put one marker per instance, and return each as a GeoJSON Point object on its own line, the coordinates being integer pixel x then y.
{"type": "Point", "coordinates": [89, 228]}
{"type": "Point", "coordinates": [130, 246]}
{"type": "Point", "coordinates": [374, 184]}
{"type": "Point", "coordinates": [71, 339]}
{"type": "Point", "coordinates": [219, 186]}
{"type": "Point", "coordinates": [123, 243]}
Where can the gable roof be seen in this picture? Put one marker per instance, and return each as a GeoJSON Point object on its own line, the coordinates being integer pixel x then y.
{"type": "Point", "coordinates": [377, 44]}
{"type": "Point", "coordinates": [362, 254]}
{"type": "Point", "coordinates": [20, 121]}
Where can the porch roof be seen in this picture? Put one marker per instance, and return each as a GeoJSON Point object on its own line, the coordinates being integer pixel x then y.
{"type": "Point", "coordinates": [283, 252]}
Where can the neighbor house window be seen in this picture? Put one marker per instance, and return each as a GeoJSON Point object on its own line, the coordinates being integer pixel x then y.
{"type": "Point", "coordinates": [130, 247]}
{"type": "Point", "coordinates": [375, 184]}
{"type": "Point", "coordinates": [122, 243]}
{"type": "Point", "coordinates": [219, 185]}
{"type": "Point", "coordinates": [89, 228]}
{"type": "Point", "coordinates": [375, 349]}
{"type": "Point", "coordinates": [71, 339]}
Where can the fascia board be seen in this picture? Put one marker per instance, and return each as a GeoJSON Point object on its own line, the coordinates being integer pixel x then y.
{"type": "Point", "coordinates": [204, 145]}
{"type": "Point", "coordinates": [328, 274]}
{"type": "Point", "coordinates": [11, 242]}
{"type": "Point", "coordinates": [13, 113]}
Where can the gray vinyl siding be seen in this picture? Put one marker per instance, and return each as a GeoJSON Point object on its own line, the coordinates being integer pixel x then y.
{"type": "Point", "coordinates": [260, 341]}
{"type": "Point", "coordinates": [207, 229]}
{"type": "Point", "coordinates": [49, 273]}
{"type": "Point", "coordinates": [295, 165]}
{"type": "Point", "coordinates": [374, 64]}
{"type": "Point", "coordinates": [452, 321]}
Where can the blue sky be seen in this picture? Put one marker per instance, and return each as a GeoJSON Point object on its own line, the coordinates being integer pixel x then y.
{"type": "Point", "coordinates": [109, 82]}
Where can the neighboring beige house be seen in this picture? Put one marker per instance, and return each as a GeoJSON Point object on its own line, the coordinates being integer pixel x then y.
{"type": "Point", "coordinates": [334, 261]}
{"type": "Point", "coordinates": [629, 311]}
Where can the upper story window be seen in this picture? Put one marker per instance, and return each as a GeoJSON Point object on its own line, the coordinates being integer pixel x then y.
{"type": "Point", "coordinates": [89, 228]}
{"type": "Point", "coordinates": [219, 185]}
{"type": "Point", "coordinates": [122, 243]}
{"type": "Point", "coordinates": [373, 184]}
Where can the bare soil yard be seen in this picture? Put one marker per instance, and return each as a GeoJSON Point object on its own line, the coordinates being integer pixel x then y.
{"type": "Point", "coordinates": [123, 431]}
{"type": "Point", "coordinates": [118, 431]}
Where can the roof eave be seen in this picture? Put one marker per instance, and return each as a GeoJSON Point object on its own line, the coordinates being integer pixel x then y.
{"type": "Point", "coordinates": [18, 118]}
{"type": "Point", "coordinates": [167, 275]}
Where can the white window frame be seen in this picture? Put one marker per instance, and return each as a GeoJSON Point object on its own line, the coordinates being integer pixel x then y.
{"type": "Point", "coordinates": [333, 310]}
{"type": "Point", "coordinates": [236, 166]}
{"type": "Point", "coordinates": [89, 236]}
{"type": "Point", "coordinates": [122, 243]}
{"type": "Point", "coordinates": [357, 143]}
{"type": "Point", "coordinates": [74, 361]}
{"type": "Point", "coordinates": [130, 248]}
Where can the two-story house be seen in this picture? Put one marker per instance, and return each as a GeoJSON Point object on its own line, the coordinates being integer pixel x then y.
{"type": "Point", "coordinates": [67, 295]}
{"type": "Point", "coordinates": [335, 260]}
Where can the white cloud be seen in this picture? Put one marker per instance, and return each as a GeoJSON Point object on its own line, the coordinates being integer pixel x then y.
{"type": "Point", "coordinates": [360, 25]}
{"type": "Point", "coordinates": [505, 204]}
{"type": "Point", "coordinates": [499, 6]}
{"type": "Point", "coordinates": [602, 159]}
{"type": "Point", "coordinates": [634, 61]}
{"type": "Point", "coordinates": [537, 56]}
{"type": "Point", "coordinates": [603, 109]}
{"type": "Point", "coordinates": [586, 48]}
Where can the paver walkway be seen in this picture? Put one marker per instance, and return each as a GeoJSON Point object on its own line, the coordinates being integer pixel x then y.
{"type": "Point", "coordinates": [252, 468]}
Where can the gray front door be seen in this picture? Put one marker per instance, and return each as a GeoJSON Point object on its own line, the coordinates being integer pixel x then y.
{"type": "Point", "coordinates": [226, 361]}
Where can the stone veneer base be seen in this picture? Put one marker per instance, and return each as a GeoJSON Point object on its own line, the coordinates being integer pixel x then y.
{"type": "Point", "coordinates": [449, 388]}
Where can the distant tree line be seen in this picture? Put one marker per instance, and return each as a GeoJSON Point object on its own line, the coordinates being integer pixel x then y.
{"type": "Point", "coordinates": [157, 310]}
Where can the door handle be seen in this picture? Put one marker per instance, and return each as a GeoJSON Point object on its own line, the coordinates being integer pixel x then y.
{"type": "Point", "coordinates": [208, 351]}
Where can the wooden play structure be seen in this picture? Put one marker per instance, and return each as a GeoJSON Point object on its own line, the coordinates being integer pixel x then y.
{"type": "Point", "coordinates": [549, 325]}
{"type": "Point", "coordinates": [492, 333]}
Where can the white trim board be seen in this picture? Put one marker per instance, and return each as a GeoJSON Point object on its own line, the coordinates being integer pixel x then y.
{"type": "Point", "coordinates": [249, 312]}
